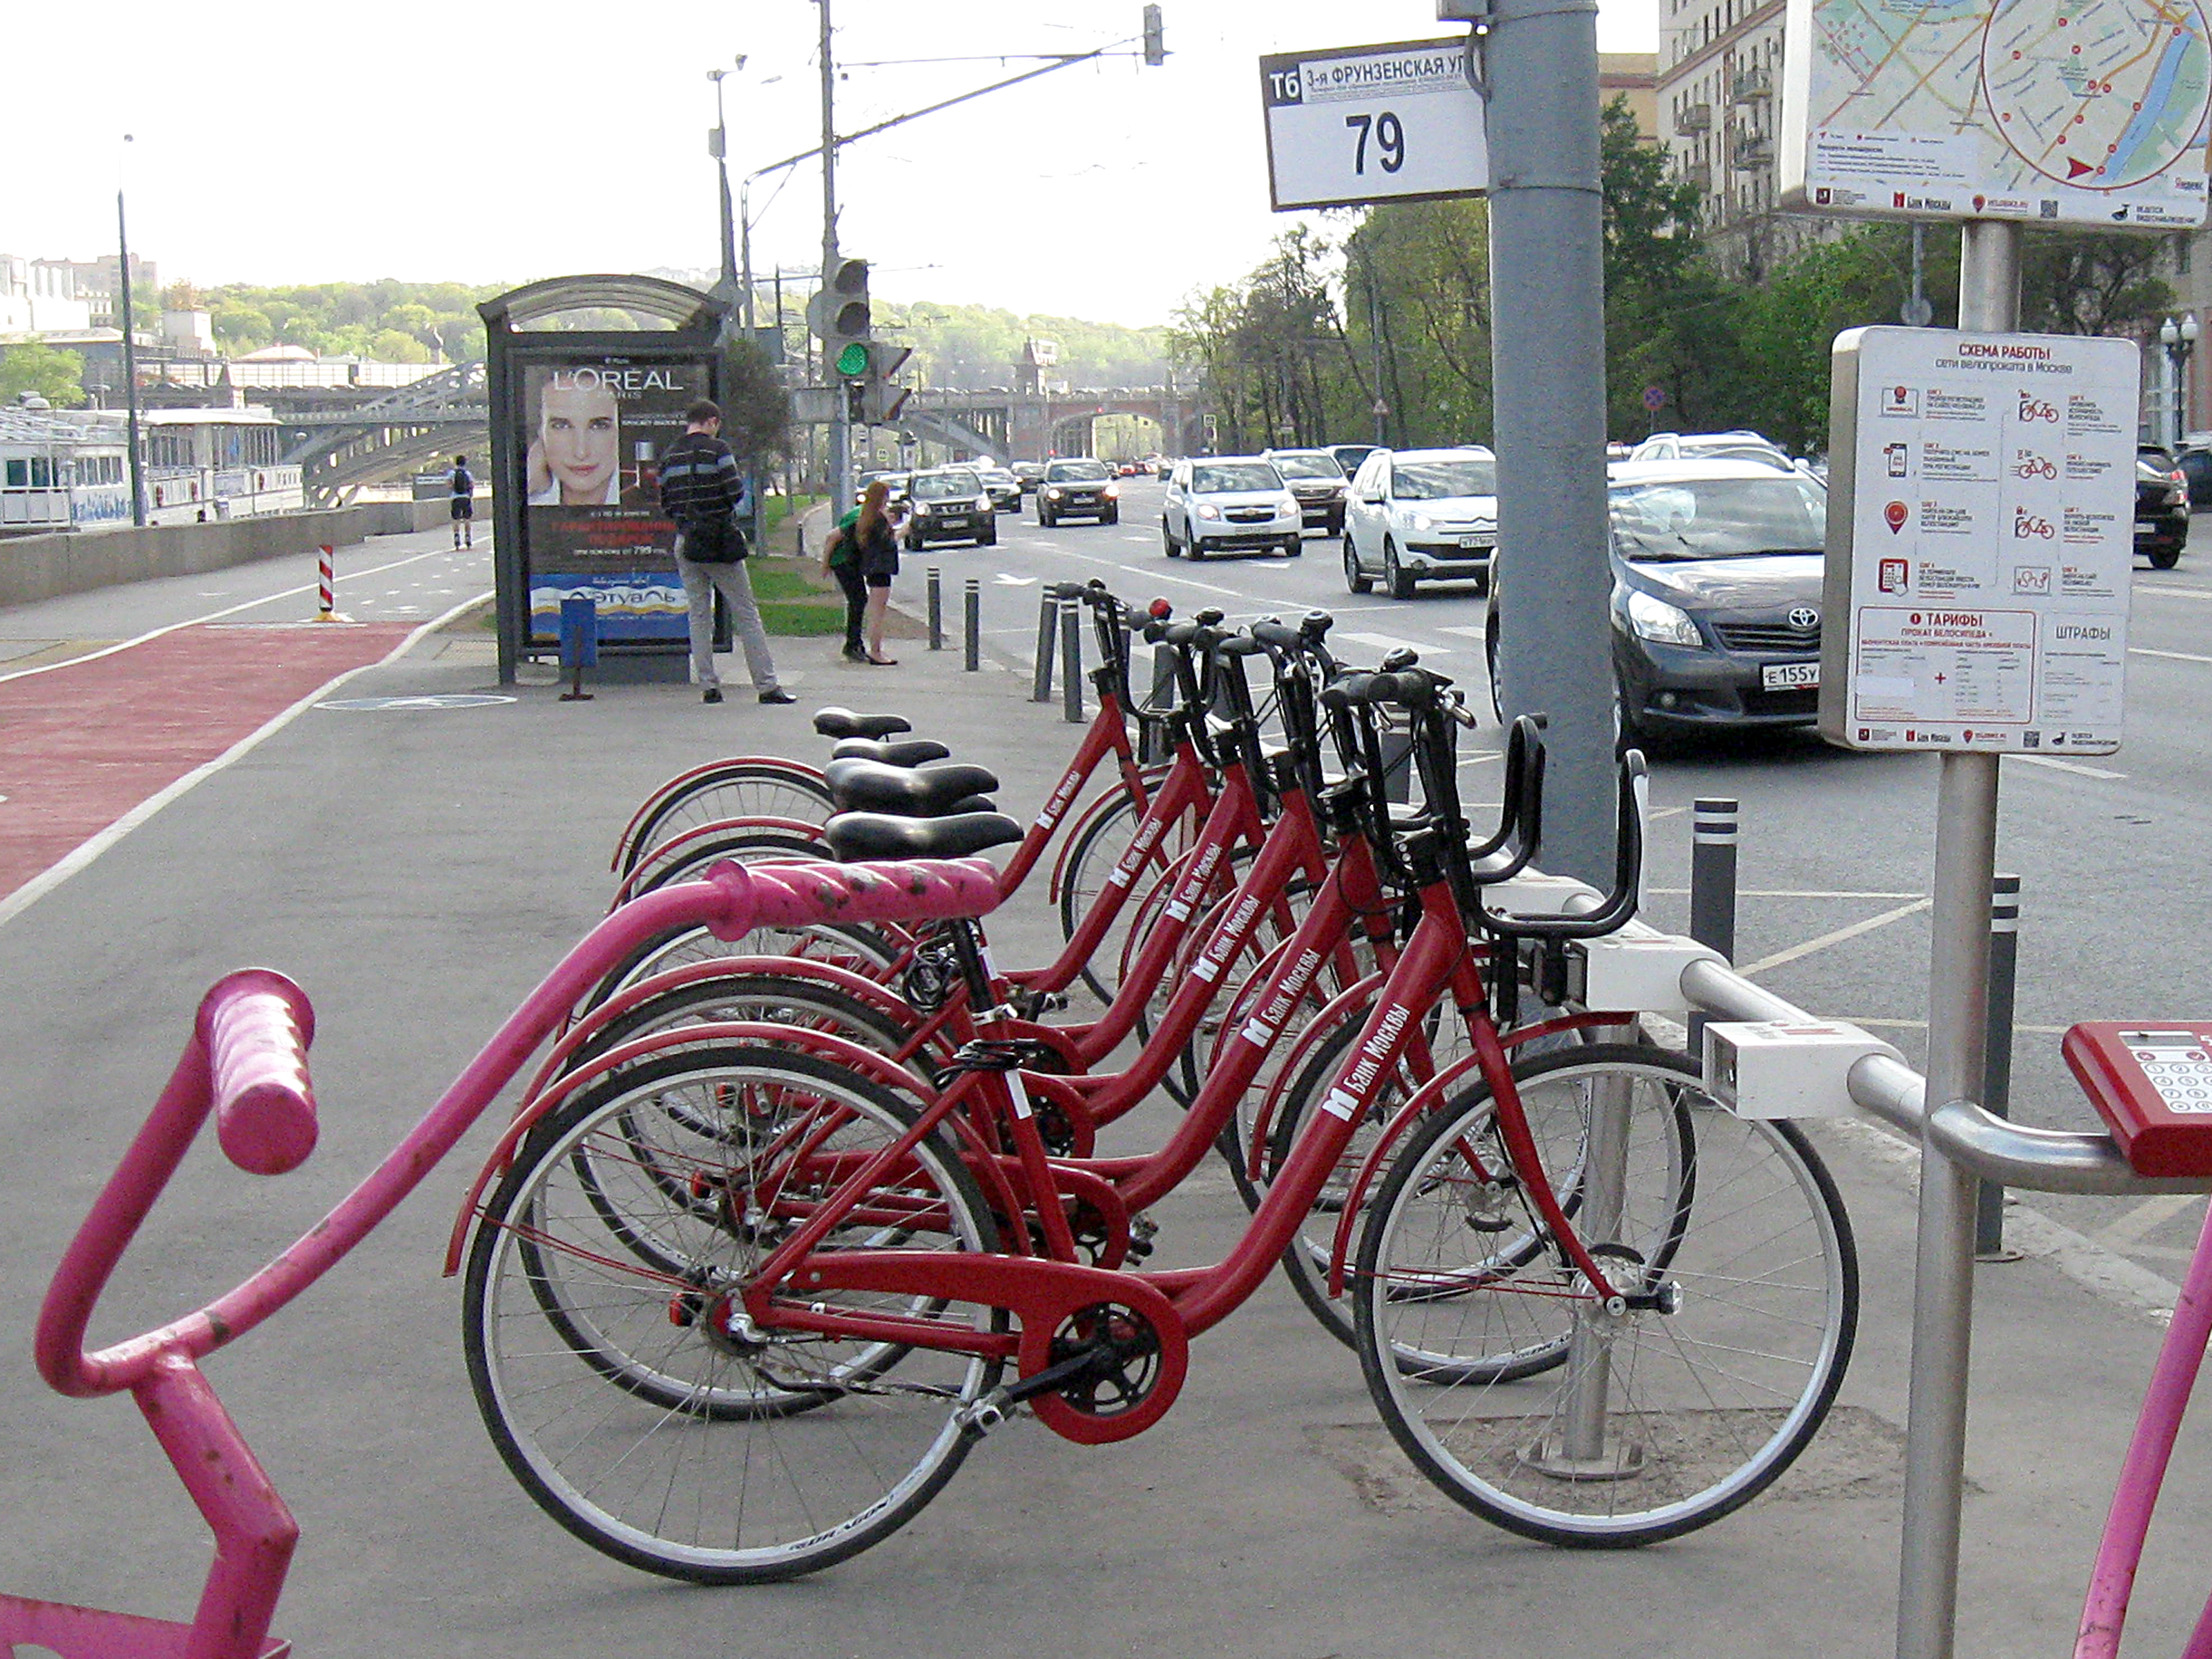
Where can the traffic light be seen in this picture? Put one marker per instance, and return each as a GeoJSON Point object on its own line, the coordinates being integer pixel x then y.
{"type": "Point", "coordinates": [1156, 51]}
{"type": "Point", "coordinates": [838, 315]}
{"type": "Point", "coordinates": [884, 398]}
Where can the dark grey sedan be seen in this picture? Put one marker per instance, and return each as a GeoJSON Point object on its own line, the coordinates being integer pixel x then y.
{"type": "Point", "coordinates": [1716, 568]}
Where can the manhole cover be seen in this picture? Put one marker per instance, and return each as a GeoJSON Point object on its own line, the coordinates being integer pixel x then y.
{"type": "Point", "coordinates": [378, 705]}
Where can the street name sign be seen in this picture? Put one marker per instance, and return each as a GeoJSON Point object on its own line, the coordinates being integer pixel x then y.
{"type": "Point", "coordinates": [1980, 542]}
{"type": "Point", "coordinates": [1353, 124]}
{"type": "Point", "coordinates": [2094, 113]}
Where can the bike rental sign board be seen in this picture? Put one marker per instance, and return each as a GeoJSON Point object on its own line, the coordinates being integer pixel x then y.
{"type": "Point", "coordinates": [1980, 540]}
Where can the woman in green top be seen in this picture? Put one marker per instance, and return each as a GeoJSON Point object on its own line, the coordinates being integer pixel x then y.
{"type": "Point", "coordinates": [862, 553]}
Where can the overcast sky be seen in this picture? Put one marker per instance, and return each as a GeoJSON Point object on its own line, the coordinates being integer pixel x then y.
{"type": "Point", "coordinates": [282, 143]}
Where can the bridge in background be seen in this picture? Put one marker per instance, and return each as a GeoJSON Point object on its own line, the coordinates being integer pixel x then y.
{"type": "Point", "coordinates": [1028, 425]}
{"type": "Point", "coordinates": [340, 451]}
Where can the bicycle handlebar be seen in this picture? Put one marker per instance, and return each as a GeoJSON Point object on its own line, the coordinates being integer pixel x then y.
{"type": "Point", "coordinates": [256, 1026]}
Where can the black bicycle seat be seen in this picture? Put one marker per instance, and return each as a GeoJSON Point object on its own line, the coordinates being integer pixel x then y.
{"type": "Point", "coordinates": [854, 835]}
{"type": "Point", "coordinates": [844, 723]}
{"type": "Point", "coordinates": [911, 752]}
{"type": "Point", "coordinates": [928, 791]}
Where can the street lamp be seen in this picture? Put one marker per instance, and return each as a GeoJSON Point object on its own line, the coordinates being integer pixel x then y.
{"type": "Point", "coordinates": [2179, 340]}
{"type": "Point", "coordinates": [718, 146]}
{"type": "Point", "coordinates": [130, 351]}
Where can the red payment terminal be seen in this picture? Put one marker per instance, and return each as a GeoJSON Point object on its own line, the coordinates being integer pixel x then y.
{"type": "Point", "coordinates": [2153, 1085]}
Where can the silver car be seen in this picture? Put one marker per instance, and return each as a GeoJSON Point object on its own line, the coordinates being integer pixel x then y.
{"type": "Point", "coordinates": [1226, 503]}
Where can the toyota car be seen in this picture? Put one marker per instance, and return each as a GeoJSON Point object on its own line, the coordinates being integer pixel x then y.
{"type": "Point", "coordinates": [1716, 568]}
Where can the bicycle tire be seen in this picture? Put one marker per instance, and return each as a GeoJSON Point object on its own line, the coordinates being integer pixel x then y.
{"type": "Point", "coordinates": [754, 844]}
{"type": "Point", "coordinates": [1098, 848]}
{"type": "Point", "coordinates": [621, 1428]}
{"type": "Point", "coordinates": [1723, 1377]}
{"type": "Point", "coordinates": [863, 949]}
{"type": "Point", "coordinates": [754, 788]}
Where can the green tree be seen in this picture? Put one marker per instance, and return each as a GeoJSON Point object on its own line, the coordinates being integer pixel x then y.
{"type": "Point", "coordinates": [393, 345]}
{"type": "Point", "coordinates": [756, 408]}
{"type": "Point", "coordinates": [42, 371]}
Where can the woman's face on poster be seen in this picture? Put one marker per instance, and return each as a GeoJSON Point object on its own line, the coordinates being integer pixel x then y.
{"type": "Point", "coordinates": [579, 427]}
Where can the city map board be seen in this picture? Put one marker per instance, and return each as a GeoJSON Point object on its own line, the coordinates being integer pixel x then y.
{"type": "Point", "coordinates": [1981, 538]}
{"type": "Point", "coordinates": [2067, 111]}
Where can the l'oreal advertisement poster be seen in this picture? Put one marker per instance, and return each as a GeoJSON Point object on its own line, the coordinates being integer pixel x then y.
{"type": "Point", "coordinates": [594, 428]}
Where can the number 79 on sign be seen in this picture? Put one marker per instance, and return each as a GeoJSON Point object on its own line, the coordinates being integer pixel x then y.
{"type": "Point", "coordinates": [1353, 124]}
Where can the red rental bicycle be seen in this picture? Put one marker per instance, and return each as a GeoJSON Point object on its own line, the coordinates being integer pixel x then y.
{"type": "Point", "coordinates": [738, 1311]}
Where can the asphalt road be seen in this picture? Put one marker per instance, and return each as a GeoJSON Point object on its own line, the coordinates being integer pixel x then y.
{"type": "Point", "coordinates": [1836, 853]}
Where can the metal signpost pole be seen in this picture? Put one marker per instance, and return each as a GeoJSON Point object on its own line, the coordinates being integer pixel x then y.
{"type": "Point", "coordinates": [1943, 1296]}
{"type": "Point", "coordinates": [1548, 351]}
{"type": "Point", "coordinates": [841, 432]}
{"type": "Point", "coordinates": [130, 361]}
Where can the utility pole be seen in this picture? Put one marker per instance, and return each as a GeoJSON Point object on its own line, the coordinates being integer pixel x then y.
{"type": "Point", "coordinates": [1548, 288]}
{"type": "Point", "coordinates": [841, 431]}
{"type": "Point", "coordinates": [718, 144]}
{"type": "Point", "coordinates": [129, 358]}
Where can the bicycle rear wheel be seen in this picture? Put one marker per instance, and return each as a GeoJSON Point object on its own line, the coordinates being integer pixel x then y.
{"type": "Point", "coordinates": [685, 1448]}
{"type": "Point", "coordinates": [758, 787]}
{"type": "Point", "coordinates": [1741, 1284]}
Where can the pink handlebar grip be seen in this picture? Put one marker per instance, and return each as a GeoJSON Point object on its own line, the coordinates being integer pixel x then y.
{"type": "Point", "coordinates": [256, 1026]}
{"type": "Point", "coordinates": [911, 889]}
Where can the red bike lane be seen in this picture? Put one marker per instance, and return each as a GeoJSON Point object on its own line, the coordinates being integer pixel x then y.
{"type": "Point", "coordinates": [83, 744]}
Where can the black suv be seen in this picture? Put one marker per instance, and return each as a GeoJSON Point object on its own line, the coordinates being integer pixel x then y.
{"type": "Point", "coordinates": [950, 506]}
{"type": "Point", "coordinates": [1080, 489]}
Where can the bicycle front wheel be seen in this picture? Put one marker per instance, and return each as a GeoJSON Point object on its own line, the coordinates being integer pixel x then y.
{"type": "Point", "coordinates": [755, 786]}
{"type": "Point", "coordinates": [1736, 1264]}
{"type": "Point", "coordinates": [635, 1417]}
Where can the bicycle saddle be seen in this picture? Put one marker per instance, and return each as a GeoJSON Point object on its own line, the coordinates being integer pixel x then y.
{"type": "Point", "coordinates": [844, 723]}
{"type": "Point", "coordinates": [931, 791]}
{"type": "Point", "coordinates": [912, 752]}
{"type": "Point", "coordinates": [856, 836]}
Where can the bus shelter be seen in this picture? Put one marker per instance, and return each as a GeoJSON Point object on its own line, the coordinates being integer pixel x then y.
{"type": "Point", "coordinates": [589, 378]}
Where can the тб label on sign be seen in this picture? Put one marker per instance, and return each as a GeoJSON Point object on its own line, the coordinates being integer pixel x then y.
{"type": "Point", "coordinates": [1981, 535]}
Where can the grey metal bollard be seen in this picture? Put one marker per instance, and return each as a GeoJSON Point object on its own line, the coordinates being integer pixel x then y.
{"type": "Point", "coordinates": [1047, 623]}
{"type": "Point", "coordinates": [1152, 745]}
{"type": "Point", "coordinates": [972, 603]}
{"type": "Point", "coordinates": [1996, 1055]}
{"type": "Point", "coordinates": [936, 609]}
{"type": "Point", "coordinates": [1071, 660]}
{"type": "Point", "coordinates": [1712, 887]}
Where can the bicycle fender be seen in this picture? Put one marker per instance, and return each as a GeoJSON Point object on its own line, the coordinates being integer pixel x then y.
{"type": "Point", "coordinates": [631, 884]}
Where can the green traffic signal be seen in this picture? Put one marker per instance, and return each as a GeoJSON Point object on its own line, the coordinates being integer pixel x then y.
{"type": "Point", "coordinates": [852, 360]}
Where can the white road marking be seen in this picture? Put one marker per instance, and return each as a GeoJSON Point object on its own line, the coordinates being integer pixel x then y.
{"type": "Point", "coordinates": [1791, 892]}
{"type": "Point", "coordinates": [2174, 592]}
{"type": "Point", "coordinates": [1392, 642]}
{"type": "Point", "coordinates": [2138, 1221]}
{"type": "Point", "coordinates": [2171, 656]}
{"type": "Point", "coordinates": [2074, 767]}
{"type": "Point", "coordinates": [1922, 1025]}
{"type": "Point", "coordinates": [1462, 633]}
{"type": "Point", "coordinates": [1838, 937]}
{"type": "Point", "coordinates": [212, 616]}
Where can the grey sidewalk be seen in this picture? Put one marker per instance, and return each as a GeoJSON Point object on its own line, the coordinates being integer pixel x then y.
{"type": "Point", "coordinates": [418, 869]}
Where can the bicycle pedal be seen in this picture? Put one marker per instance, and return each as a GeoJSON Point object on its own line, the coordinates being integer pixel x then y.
{"type": "Point", "coordinates": [1143, 1229]}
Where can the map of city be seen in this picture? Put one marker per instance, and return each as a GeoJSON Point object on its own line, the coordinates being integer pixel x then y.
{"type": "Point", "coordinates": [2075, 110]}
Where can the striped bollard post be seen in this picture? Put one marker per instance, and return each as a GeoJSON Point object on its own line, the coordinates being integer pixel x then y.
{"type": "Point", "coordinates": [972, 602]}
{"type": "Point", "coordinates": [1712, 887]}
{"type": "Point", "coordinates": [1997, 1055]}
{"type": "Point", "coordinates": [936, 609]}
{"type": "Point", "coordinates": [327, 581]}
{"type": "Point", "coordinates": [1048, 621]}
{"type": "Point", "coordinates": [1071, 660]}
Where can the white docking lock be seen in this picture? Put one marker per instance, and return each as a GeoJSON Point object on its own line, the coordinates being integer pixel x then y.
{"type": "Point", "coordinates": [1776, 1068]}
{"type": "Point", "coordinates": [1533, 893]}
{"type": "Point", "coordinates": [1637, 971]}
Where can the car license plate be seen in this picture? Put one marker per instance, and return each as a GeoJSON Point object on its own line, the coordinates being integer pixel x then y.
{"type": "Point", "coordinates": [1472, 544]}
{"type": "Point", "coordinates": [1780, 676]}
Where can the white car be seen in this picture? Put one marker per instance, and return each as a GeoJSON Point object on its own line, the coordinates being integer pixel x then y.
{"type": "Point", "coordinates": [1229, 502]}
{"type": "Point", "coordinates": [1741, 445]}
{"type": "Point", "coordinates": [1417, 515]}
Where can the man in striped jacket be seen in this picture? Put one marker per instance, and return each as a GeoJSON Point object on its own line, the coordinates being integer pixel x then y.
{"type": "Point", "coordinates": [703, 492]}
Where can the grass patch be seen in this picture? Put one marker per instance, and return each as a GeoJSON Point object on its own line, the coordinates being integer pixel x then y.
{"type": "Point", "coordinates": [797, 597]}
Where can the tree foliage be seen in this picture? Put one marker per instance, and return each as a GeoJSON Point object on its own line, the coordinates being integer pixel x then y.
{"type": "Point", "coordinates": [42, 371]}
{"type": "Point", "coordinates": [756, 408]}
{"type": "Point", "coordinates": [1398, 307]}
{"type": "Point", "coordinates": [974, 347]}
{"type": "Point", "coordinates": [396, 321]}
